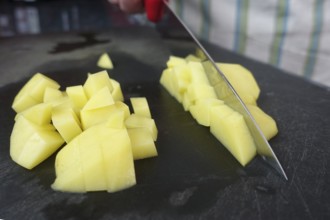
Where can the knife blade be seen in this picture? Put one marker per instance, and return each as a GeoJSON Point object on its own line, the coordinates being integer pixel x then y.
{"type": "Point", "coordinates": [227, 93]}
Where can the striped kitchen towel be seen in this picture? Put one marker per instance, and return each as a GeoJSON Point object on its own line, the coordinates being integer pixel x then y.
{"type": "Point", "coordinates": [292, 35]}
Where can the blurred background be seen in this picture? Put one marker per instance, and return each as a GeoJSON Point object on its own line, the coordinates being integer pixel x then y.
{"type": "Point", "coordinates": [26, 17]}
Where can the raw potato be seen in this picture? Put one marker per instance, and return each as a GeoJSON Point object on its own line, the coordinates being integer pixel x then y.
{"type": "Point", "coordinates": [39, 114]}
{"type": "Point", "coordinates": [143, 145]}
{"type": "Point", "coordinates": [91, 119]}
{"type": "Point", "coordinates": [242, 80]}
{"type": "Point", "coordinates": [100, 158]}
{"type": "Point", "coordinates": [105, 61]}
{"type": "Point", "coordinates": [185, 79]}
{"type": "Point", "coordinates": [97, 81]}
{"type": "Point", "coordinates": [32, 92]}
{"type": "Point", "coordinates": [266, 123]}
{"type": "Point", "coordinates": [230, 129]}
{"type": "Point", "coordinates": [66, 123]}
{"type": "Point", "coordinates": [137, 121]}
{"type": "Point", "coordinates": [31, 144]}
{"type": "Point", "coordinates": [201, 110]}
{"type": "Point", "coordinates": [140, 106]}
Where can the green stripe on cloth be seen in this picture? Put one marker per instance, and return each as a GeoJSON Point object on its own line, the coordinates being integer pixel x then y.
{"type": "Point", "coordinates": [242, 8]}
{"type": "Point", "coordinates": [280, 31]}
{"type": "Point", "coordinates": [206, 19]}
{"type": "Point", "coordinates": [314, 38]}
{"type": "Point", "coordinates": [179, 7]}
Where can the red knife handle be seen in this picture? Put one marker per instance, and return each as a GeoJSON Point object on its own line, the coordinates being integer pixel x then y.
{"type": "Point", "coordinates": [154, 9]}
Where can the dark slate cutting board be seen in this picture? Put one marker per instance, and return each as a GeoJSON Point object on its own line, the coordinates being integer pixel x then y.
{"type": "Point", "coordinates": [194, 176]}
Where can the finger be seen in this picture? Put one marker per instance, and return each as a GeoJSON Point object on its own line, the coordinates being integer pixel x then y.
{"type": "Point", "coordinates": [131, 6]}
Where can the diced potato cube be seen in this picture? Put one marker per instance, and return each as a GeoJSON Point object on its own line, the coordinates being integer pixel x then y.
{"type": "Point", "coordinates": [52, 94]}
{"type": "Point", "coordinates": [136, 121]}
{"type": "Point", "coordinates": [140, 106]}
{"type": "Point", "coordinates": [93, 117]}
{"type": "Point", "coordinates": [202, 108]}
{"type": "Point", "coordinates": [68, 168]}
{"type": "Point", "coordinates": [105, 61]}
{"type": "Point", "coordinates": [230, 129]}
{"type": "Point", "coordinates": [118, 159]}
{"type": "Point", "coordinates": [175, 61]}
{"type": "Point", "coordinates": [197, 72]}
{"type": "Point", "coordinates": [77, 96]}
{"type": "Point", "coordinates": [143, 145]}
{"type": "Point", "coordinates": [67, 123]}
{"type": "Point", "coordinates": [116, 93]}
{"type": "Point", "coordinates": [266, 123]}
{"type": "Point", "coordinates": [181, 78]}
{"type": "Point", "coordinates": [197, 91]}
{"type": "Point", "coordinates": [166, 81]}
{"type": "Point", "coordinates": [100, 158]}
{"type": "Point", "coordinates": [193, 58]}
{"type": "Point", "coordinates": [100, 99]}
{"type": "Point", "coordinates": [242, 80]}
{"type": "Point", "coordinates": [97, 81]}
{"type": "Point", "coordinates": [39, 114]}
{"type": "Point", "coordinates": [31, 144]}
{"type": "Point", "coordinates": [32, 92]}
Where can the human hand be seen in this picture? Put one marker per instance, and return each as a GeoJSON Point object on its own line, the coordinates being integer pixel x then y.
{"type": "Point", "coordinates": [129, 6]}
{"type": "Point", "coordinates": [153, 8]}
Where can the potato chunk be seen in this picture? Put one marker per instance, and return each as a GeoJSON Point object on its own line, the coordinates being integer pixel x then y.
{"type": "Point", "coordinates": [242, 80]}
{"type": "Point", "coordinates": [136, 121]}
{"type": "Point", "coordinates": [105, 61]}
{"type": "Point", "coordinates": [140, 106]}
{"type": "Point", "coordinates": [33, 91]}
{"type": "Point", "coordinates": [97, 81]}
{"type": "Point", "coordinates": [230, 129]}
{"type": "Point", "coordinates": [266, 123]}
{"type": "Point", "coordinates": [31, 144]}
{"type": "Point", "coordinates": [201, 110]}
{"type": "Point", "coordinates": [143, 145]}
{"type": "Point", "coordinates": [100, 158]}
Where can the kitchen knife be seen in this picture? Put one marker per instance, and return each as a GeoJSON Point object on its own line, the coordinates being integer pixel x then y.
{"type": "Point", "coordinates": [218, 80]}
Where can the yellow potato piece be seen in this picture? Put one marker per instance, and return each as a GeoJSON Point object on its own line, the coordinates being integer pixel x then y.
{"type": "Point", "coordinates": [98, 159]}
{"type": "Point", "coordinates": [140, 106]}
{"type": "Point", "coordinates": [31, 144]}
{"type": "Point", "coordinates": [69, 172]}
{"type": "Point", "coordinates": [39, 114]}
{"type": "Point", "coordinates": [100, 99]}
{"type": "Point", "coordinates": [181, 78]}
{"type": "Point", "coordinates": [266, 123]}
{"type": "Point", "coordinates": [192, 57]}
{"type": "Point", "coordinates": [97, 81]}
{"type": "Point", "coordinates": [92, 157]}
{"type": "Point", "coordinates": [197, 91]}
{"type": "Point", "coordinates": [201, 110]}
{"type": "Point", "coordinates": [77, 96]}
{"type": "Point", "coordinates": [32, 92]}
{"type": "Point", "coordinates": [52, 94]}
{"type": "Point", "coordinates": [143, 145]}
{"type": "Point", "coordinates": [197, 73]}
{"type": "Point", "coordinates": [105, 61]}
{"type": "Point", "coordinates": [66, 123]}
{"type": "Point", "coordinates": [230, 129]}
{"type": "Point", "coordinates": [175, 61]}
{"type": "Point", "coordinates": [167, 82]}
{"type": "Point", "coordinates": [116, 93]}
{"type": "Point", "coordinates": [118, 159]}
{"type": "Point", "coordinates": [137, 121]}
{"type": "Point", "coordinates": [242, 80]}
{"type": "Point", "coordinates": [116, 119]}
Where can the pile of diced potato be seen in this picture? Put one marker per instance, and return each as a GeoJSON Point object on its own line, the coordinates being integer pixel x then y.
{"type": "Point", "coordinates": [101, 137]}
{"type": "Point", "coordinates": [185, 79]}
